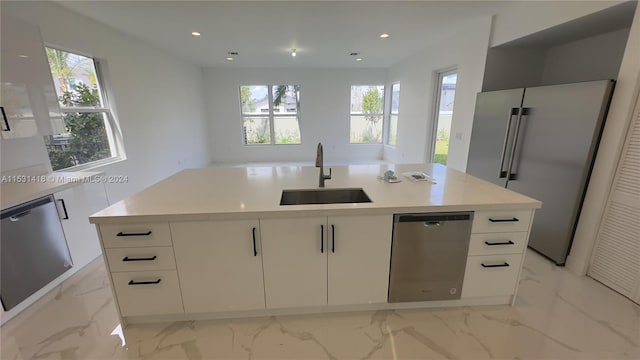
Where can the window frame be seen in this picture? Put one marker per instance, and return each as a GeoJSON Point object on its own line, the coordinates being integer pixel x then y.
{"type": "Point", "coordinates": [270, 115]}
{"type": "Point", "coordinates": [391, 113]}
{"type": "Point", "coordinates": [111, 123]}
{"type": "Point", "coordinates": [382, 115]}
{"type": "Point", "coordinates": [440, 75]}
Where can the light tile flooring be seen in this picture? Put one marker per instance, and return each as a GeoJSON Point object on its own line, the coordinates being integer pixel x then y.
{"type": "Point", "coordinates": [557, 316]}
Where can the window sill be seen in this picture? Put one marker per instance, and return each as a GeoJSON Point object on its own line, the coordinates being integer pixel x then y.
{"type": "Point", "coordinates": [260, 145]}
{"type": "Point", "coordinates": [93, 166]}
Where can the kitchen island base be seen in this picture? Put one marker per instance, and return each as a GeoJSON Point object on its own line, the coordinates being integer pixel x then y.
{"type": "Point", "coordinates": [208, 260]}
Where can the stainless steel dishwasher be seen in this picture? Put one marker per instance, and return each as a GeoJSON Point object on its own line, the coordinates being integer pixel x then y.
{"type": "Point", "coordinates": [429, 256]}
{"type": "Point", "coordinates": [33, 250]}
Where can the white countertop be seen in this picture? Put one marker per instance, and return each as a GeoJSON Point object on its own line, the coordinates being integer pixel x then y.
{"type": "Point", "coordinates": [233, 193]}
{"type": "Point", "coordinates": [18, 189]}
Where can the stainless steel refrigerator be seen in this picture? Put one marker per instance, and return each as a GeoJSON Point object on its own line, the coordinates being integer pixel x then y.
{"type": "Point", "coordinates": [541, 142]}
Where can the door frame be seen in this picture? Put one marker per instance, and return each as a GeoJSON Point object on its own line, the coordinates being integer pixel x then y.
{"type": "Point", "coordinates": [439, 75]}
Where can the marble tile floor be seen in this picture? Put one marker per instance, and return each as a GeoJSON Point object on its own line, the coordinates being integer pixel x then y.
{"type": "Point", "coordinates": [557, 316]}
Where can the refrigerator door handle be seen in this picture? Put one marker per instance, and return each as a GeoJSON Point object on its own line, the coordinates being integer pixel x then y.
{"type": "Point", "coordinates": [501, 172]}
{"type": "Point", "coordinates": [523, 112]}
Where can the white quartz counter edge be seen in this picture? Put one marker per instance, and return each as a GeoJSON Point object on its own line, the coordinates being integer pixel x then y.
{"type": "Point", "coordinates": [13, 193]}
{"type": "Point", "coordinates": [300, 211]}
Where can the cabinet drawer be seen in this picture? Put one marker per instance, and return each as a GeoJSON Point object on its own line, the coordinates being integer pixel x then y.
{"type": "Point", "coordinates": [497, 243]}
{"type": "Point", "coordinates": [135, 235]}
{"type": "Point", "coordinates": [491, 280]}
{"type": "Point", "coordinates": [160, 295]}
{"type": "Point", "coordinates": [141, 259]}
{"type": "Point", "coordinates": [501, 221]}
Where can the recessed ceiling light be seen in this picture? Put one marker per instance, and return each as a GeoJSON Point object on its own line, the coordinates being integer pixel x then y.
{"type": "Point", "coordinates": [23, 56]}
{"type": "Point", "coordinates": [293, 52]}
{"type": "Point", "coordinates": [384, 35]}
{"type": "Point", "coordinates": [358, 59]}
{"type": "Point", "coordinates": [229, 59]}
{"type": "Point", "coordinates": [196, 33]}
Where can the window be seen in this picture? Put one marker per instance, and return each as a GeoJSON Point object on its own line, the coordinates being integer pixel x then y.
{"type": "Point", "coordinates": [393, 117]}
{"type": "Point", "coordinates": [366, 114]}
{"type": "Point", "coordinates": [267, 110]}
{"type": "Point", "coordinates": [445, 96]}
{"type": "Point", "coordinates": [91, 137]}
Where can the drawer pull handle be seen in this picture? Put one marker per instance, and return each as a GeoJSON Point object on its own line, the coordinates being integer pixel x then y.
{"type": "Point", "coordinates": [134, 234]}
{"type": "Point", "coordinates": [504, 220]}
{"type": "Point", "coordinates": [322, 239]}
{"type": "Point", "coordinates": [64, 208]}
{"type": "Point", "coordinates": [255, 249]}
{"type": "Point", "coordinates": [333, 238]}
{"type": "Point", "coordinates": [499, 243]}
{"type": "Point", "coordinates": [4, 119]}
{"type": "Point", "coordinates": [131, 282]}
{"type": "Point", "coordinates": [505, 264]}
{"type": "Point", "coordinates": [126, 258]}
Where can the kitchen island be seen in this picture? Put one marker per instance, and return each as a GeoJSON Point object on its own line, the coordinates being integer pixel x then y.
{"type": "Point", "coordinates": [215, 242]}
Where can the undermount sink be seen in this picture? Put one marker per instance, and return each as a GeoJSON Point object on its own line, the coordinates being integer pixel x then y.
{"type": "Point", "coordinates": [323, 196]}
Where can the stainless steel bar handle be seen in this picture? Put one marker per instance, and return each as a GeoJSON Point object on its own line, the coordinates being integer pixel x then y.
{"type": "Point", "coordinates": [521, 113]}
{"type": "Point", "coordinates": [512, 111]}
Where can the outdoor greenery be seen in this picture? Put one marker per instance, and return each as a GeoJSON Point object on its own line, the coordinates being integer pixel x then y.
{"type": "Point", "coordinates": [86, 139]}
{"type": "Point", "coordinates": [442, 147]}
{"type": "Point", "coordinates": [393, 129]}
{"type": "Point", "coordinates": [281, 91]}
{"type": "Point", "coordinates": [257, 129]}
{"type": "Point", "coordinates": [372, 112]}
{"type": "Point", "coordinates": [245, 98]}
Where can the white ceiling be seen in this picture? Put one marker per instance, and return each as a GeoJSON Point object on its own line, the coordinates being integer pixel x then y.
{"type": "Point", "coordinates": [263, 32]}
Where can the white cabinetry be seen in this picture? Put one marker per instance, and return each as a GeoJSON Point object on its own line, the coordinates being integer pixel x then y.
{"type": "Point", "coordinates": [496, 252]}
{"type": "Point", "coordinates": [359, 255]}
{"type": "Point", "coordinates": [219, 265]}
{"type": "Point", "coordinates": [75, 205]}
{"type": "Point", "coordinates": [147, 292]}
{"type": "Point", "coordinates": [294, 253]}
{"type": "Point", "coordinates": [616, 254]}
{"type": "Point", "coordinates": [142, 267]}
{"type": "Point", "coordinates": [29, 101]}
{"type": "Point", "coordinates": [317, 261]}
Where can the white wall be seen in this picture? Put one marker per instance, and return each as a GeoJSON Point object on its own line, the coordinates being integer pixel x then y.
{"type": "Point", "coordinates": [324, 103]}
{"type": "Point", "coordinates": [158, 96]}
{"type": "Point", "coordinates": [522, 18]}
{"type": "Point", "coordinates": [613, 136]}
{"type": "Point", "coordinates": [593, 58]}
{"type": "Point", "coordinates": [466, 50]}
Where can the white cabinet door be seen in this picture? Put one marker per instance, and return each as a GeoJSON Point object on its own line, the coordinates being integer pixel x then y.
{"type": "Point", "coordinates": [359, 250]}
{"type": "Point", "coordinates": [75, 205]}
{"type": "Point", "coordinates": [29, 101]}
{"type": "Point", "coordinates": [295, 261]}
{"type": "Point", "coordinates": [218, 266]}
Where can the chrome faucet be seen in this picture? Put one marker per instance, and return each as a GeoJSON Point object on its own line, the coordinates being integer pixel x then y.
{"type": "Point", "coordinates": [320, 164]}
